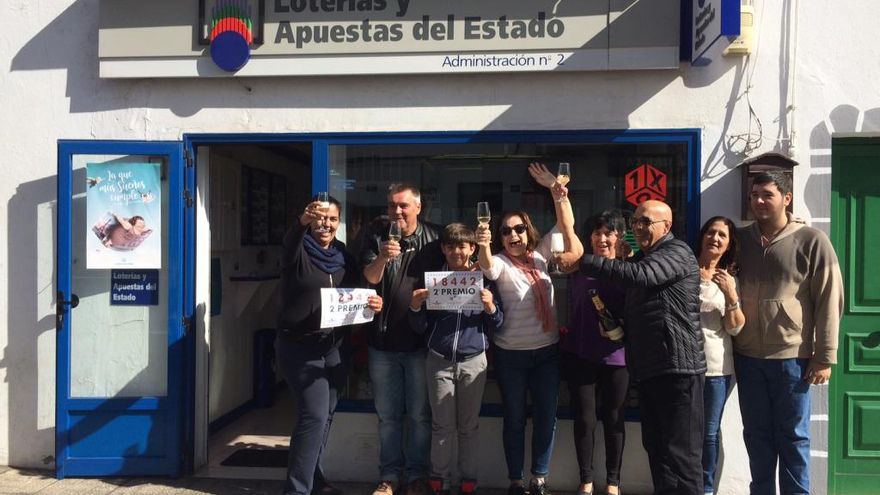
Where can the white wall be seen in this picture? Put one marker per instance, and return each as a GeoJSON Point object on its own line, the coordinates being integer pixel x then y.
{"type": "Point", "coordinates": [813, 72]}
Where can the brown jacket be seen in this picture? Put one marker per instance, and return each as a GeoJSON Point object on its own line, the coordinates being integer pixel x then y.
{"type": "Point", "coordinates": [792, 295]}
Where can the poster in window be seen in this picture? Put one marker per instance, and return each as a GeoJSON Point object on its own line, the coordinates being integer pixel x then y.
{"type": "Point", "coordinates": [124, 209]}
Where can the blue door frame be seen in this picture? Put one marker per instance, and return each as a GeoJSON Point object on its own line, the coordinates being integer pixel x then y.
{"type": "Point", "coordinates": [121, 436]}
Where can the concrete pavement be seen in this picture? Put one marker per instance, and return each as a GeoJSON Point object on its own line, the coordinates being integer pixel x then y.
{"type": "Point", "coordinates": [29, 481]}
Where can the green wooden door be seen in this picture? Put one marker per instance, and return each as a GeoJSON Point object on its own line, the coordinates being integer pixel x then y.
{"type": "Point", "coordinates": [854, 402]}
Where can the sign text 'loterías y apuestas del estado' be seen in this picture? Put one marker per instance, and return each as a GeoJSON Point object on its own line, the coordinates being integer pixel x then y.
{"type": "Point", "coordinates": [325, 37]}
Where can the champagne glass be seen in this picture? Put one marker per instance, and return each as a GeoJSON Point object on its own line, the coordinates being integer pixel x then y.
{"type": "Point", "coordinates": [563, 174]}
{"type": "Point", "coordinates": [557, 247]}
{"type": "Point", "coordinates": [323, 198]}
{"type": "Point", "coordinates": [394, 231]}
{"type": "Point", "coordinates": [483, 214]}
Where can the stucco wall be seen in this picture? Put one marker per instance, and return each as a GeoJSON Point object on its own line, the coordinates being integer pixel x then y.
{"type": "Point", "coordinates": [813, 72]}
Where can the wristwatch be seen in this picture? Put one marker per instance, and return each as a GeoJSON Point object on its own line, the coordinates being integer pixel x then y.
{"type": "Point", "coordinates": [732, 306]}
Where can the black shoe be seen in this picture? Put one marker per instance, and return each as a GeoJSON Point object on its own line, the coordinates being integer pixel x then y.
{"type": "Point", "coordinates": [516, 490]}
{"type": "Point", "coordinates": [326, 489]}
{"type": "Point", "coordinates": [536, 488]}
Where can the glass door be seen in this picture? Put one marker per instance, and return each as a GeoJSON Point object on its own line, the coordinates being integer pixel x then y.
{"type": "Point", "coordinates": [120, 318]}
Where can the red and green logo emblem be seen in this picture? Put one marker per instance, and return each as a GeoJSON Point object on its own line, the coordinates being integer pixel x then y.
{"type": "Point", "coordinates": [231, 34]}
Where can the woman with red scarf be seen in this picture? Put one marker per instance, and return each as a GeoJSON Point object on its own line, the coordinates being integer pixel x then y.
{"type": "Point", "coordinates": [526, 348]}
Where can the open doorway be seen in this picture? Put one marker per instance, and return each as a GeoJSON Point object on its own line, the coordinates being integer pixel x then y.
{"type": "Point", "coordinates": [250, 194]}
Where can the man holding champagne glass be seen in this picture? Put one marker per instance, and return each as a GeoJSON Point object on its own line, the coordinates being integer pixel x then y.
{"type": "Point", "coordinates": [395, 259]}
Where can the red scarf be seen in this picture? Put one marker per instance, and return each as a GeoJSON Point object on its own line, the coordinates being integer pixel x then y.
{"type": "Point", "coordinates": [540, 289]}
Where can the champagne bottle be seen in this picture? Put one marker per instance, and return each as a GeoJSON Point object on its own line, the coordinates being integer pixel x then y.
{"type": "Point", "coordinates": [606, 319]}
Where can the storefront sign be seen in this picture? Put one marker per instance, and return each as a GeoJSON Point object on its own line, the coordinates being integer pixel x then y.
{"type": "Point", "coordinates": [124, 215]}
{"type": "Point", "coordinates": [341, 307]}
{"type": "Point", "coordinates": [320, 37]}
{"type": "Point", "coordinates": [712, 19]}
{"type": "Point", "coordinates": [134, 287]}
{"type": "Point", "coordinates": [644, 183]}
{"type": "Point", "coordinates": [454, 290]}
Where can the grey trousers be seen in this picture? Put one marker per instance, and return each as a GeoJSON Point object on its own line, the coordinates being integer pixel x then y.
{"type": "Point", "coordinates": [455, 392]}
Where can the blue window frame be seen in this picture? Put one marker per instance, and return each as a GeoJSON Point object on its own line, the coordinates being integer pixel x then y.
{"type": "Point", "coordinates": [323, 142]}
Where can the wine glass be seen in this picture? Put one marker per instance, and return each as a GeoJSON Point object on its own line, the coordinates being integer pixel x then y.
{"type": "Point", "coordinates": [563, 174]}
{"type": "Point", "coordinates": [323, 199]}
{"type": "Point", "coordinates": [394, 231]}
{"type": "Point", "coordinates": [483, 214]}
{"type": "Point", "coordinates": [557, 247]}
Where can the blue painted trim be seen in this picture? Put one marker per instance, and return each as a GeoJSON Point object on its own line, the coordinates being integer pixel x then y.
{"type": "Point", "coordinates": [686, 30]}
{"type": "Point", "coordinates": [62, 343]}
{"type": "Point", "coordinates": [167, 409]}
{"type": "Point", "coordinates": [730, 18]}
{"type": "Point", "coordinates": [320, 166]}
{"type": "Point", "coordinates": [694, 198]}
{"type": "Point", "coordinates": [564, 136]}
{"type": "Point", "coordinates": [489, 410]}
{"type": "Point", "coordinates": [188, 407]}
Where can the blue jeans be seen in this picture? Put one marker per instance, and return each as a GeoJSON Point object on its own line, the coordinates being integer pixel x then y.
{"type": "Point", "coordinates": [775, 404]}
{"type": "Point", "coordinates": [519, 373]}
{"type": "Point", "coordinates": [715, 392]}
{"type": "Point", "coordinates": [400, 395]}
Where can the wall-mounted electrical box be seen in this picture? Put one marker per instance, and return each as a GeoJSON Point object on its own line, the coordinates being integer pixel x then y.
{"type": "Point", "coordinates": [742, 45]}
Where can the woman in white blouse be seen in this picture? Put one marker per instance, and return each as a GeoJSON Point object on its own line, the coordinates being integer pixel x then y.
{"type": "Point", "coordinates": [721, 317]}
{"type": "Point", "coordinates": [526, 348]}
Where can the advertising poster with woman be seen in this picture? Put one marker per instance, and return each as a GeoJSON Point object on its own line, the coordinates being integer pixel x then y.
{"type": "Point", "coordinates": [124, 215]}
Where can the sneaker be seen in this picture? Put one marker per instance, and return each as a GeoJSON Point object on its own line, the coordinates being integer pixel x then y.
{"type": "Point", "coordinates": [467, 487]}
{"type": "Point", "coordinates": [436, 485]}
{"type": "Point", "coordinates": [384, 488]}
{"type": "Point", "coordinates": [516, 489]}
{"type": "Point", "coordinates": [419, 486]}
{"type": "Point", "coordinates": [536, 488]}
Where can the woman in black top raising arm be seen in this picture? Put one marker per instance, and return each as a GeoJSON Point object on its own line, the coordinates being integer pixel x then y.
{"type": "Point", "coordinates": [308, 355]}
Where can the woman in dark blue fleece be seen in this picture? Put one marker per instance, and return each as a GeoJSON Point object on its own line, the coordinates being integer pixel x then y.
{"type": "Point", "coordinates": [308, 355]}
{"type": "Point", "coordinates": [456, 366]}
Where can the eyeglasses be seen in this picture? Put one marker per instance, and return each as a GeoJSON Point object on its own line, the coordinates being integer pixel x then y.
{"type": "Point", "coordinates": [519, 229]}
{"type": "Point", "coordinates": [644, 222]}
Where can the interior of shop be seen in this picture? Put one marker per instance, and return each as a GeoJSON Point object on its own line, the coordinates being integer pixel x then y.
{"type": "Point", "coordinates": [254, 194]}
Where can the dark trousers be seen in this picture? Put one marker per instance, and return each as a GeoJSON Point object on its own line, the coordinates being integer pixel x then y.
{"type": "Point", "coordinates": [672, 432]}
{"type": "Point", "coordinates": [315, 374]}
{"type": "Point", "coordinates": [597, 391]}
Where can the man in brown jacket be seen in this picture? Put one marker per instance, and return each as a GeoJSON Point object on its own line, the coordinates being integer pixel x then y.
{"type": "Point", "coordinates": [792, 297]}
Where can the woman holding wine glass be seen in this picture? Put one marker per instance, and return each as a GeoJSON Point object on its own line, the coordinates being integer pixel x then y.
{"type": "Point", "coordinates": [526, 347]}
{"type": "Point", "coordinates": [307, 355]}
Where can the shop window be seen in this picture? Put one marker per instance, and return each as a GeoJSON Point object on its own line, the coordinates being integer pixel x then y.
{"type": "Point", "coordinates": [454, 177]}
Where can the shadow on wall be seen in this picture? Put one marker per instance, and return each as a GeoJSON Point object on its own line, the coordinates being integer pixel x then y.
{"type": "Point", "coordinates": [29, 357]}
{"type": "Point", "coordinates": [843, 119]}
{"type": "Point", "coordinates": [608, 98]}
{"type": "Point", "coordinates": [31, 323]}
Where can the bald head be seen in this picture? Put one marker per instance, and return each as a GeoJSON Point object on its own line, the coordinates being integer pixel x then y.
{"type": "Point", "coordinates": [657, 209]}
{"type": "Point", "coordinates": [652, 220]}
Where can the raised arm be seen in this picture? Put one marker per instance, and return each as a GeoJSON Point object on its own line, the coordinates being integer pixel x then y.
{"type": "Point", "coordinates": [484, 241]}
{"type": "Point", "coordinates": [667, 265]}
{"type": "Point", "coordinates": [574, 248]}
